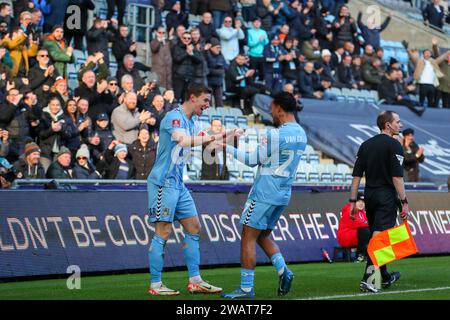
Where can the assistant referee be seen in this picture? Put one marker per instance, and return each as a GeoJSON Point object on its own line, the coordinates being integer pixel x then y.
{"type": "Point", "coordinates": [380, 158]}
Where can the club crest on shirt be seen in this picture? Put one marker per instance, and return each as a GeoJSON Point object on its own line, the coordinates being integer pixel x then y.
{"type": "Point", "coordinates": [176, 123]}
{"type": "Point", "coordinates": [166, 212]}
{"type": "Point", "coordinates": [400, 159]}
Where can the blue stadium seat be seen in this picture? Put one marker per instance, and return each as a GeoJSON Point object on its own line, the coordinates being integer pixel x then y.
{"type": "Point", "coordinates": [301, 177]}
{"type": "Point", "coordinates": [242, 122]}
{"type": "Point", "coordinates": [314, 158]}
{"type": "Point", "coordinates": [313, 177]}
{"type": "Point", "coordinates": [234, 175]}
{"type": "Point", "coordinates": [338, 177]}
{"type": "Point", "coordinates": [227, 120]}
{"type": "Point", "coordinates": [248, 175]}
{"type": "Point", "coordinates": [216, 117]}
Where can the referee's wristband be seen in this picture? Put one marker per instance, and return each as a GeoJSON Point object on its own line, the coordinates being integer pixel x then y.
{"type": "Point", "coordinates": [352, 200]}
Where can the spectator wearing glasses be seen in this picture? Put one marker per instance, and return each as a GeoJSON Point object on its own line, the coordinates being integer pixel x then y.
{"type": "Point", "coordinates": [229, 38]}
{"type": "Point", "coordinates": [162, 58]}
{"type": "Point", "coordinates": [84, 169]}
{"type": "Point", "coordinates": [185, 61]}
{"type": "Point", "coordinates": [42, 75]}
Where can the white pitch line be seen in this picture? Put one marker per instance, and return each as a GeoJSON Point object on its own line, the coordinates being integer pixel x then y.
{"type": "Point", "coordinates": [376, 294]}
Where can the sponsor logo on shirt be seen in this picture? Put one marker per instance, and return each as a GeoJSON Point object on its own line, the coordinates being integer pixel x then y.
{"type": "Point", "coordinates": [400, 159]}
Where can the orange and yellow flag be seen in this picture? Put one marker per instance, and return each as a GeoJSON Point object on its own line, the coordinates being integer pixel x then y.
{"type": "Point", "coordinates": [392, 244]}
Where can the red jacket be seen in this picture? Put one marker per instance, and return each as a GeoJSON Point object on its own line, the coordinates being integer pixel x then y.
{"type": "Point", "coordinates": [348, 229]}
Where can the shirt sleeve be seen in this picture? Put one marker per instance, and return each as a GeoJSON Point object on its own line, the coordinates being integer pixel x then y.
{"type": "Point", "coordinates": [396, 159]}
{"type": "Point", "coordinates": [360, 163]}
{"type": "Point", "coordinates": [172, 123]}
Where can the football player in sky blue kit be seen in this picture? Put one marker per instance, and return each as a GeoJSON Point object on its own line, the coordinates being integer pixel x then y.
{"type": "Point", "coordinates": [169, 199]}
{"type": "Point", "coordinates": [277, 160]}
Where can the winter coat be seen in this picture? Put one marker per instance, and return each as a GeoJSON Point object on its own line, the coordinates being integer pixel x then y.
{"type": "Point", "coordinates": [138, 82]}
{"type": "Point", "coordinates": [216, 68]}
{"type": "Point", "coordinates": [90, 172]}
{"type": "Point", "coordinates": [37, 78]}
{"type": "Point", "coordinates": [420, 65]}
{"type": "Point", "coordinates": [174, 19]}
{"type": "Point", "coordinates": [97, 40]}
{"type": "Point", "coordinates": [229, 41]}
{"type": "Point", "coordinates": [207, 31]}
{"type": "Point", "coordinates": [387, 90]}
{"type": "Point", "coordinates": [114, 164]}
{"type": "Point", "coordinates": [305, 85]}
{"type": "Point", "coordinates": [57, 51]}
{"type": "Point", "coordinates": [57, 171]}
{"type": "Point", "coordinates": [57, 12]}
{"type": "Point", "coordinates": [20, 53]}
{"type": "Point", "coordinates": [372, 36]}
{"type": "Point", "coordinates": [162, 62]}
{"type": "Point", "coordinates": [121, 47]}
{"type": "Point", "coordinates": [444, 82]}
{"type": "Point", "coordinates": [142, 158]}
{"type": "Point", "coordinates": [68, 135]}
{"type": "Point", "coordinates": [348, 229]}
{"type": "Point", "coordinates": [26, 172]}
{"type": "Point", "coordinates": [184, 65]}
{"type": "Point", "coordinates": [371, 76]}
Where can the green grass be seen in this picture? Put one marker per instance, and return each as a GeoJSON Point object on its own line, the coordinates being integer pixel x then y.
{"type": "Point", "coordinates": [312, 280]}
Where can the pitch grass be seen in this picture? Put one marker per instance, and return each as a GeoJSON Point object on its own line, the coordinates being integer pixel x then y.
{"type": "Point", "coordinates": [311, 280]}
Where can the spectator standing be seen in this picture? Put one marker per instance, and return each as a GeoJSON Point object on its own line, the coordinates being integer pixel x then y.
{"type": "Point", "coordinates": [274, 55]}
{"type": "Point", "coordinates": [220, 9]}
{"type": "Point", "coordinates": [123, 44]}
{"type": "Point", "coordinates": [158, 111]}
{"type": "Point", "coordinates": [21, 48]}
{"type": "Point", "coordinates": [216, 67]}
{"type": "Point", "coordinates": [257, 40]}
{"type": "Point", "coordinates": [42, 75]}
{"type": "Point", "coordinates": [214, 161]}
{"type": "Point", "coordinates": [229, 38]}
{"type": "Point", "coordinates": [413, 156]}
{"type": "Point", "coordinates": [290, 64]}
{"type": "Point", "coordinates": [344, 26]}
{"type": "Point", "coordinates": [433, 14]}
{"type": "Point", "coordinates": [371, 32]}
{"type": "Point", "coordinates": [60, 53]}
{"type": "Point", "coordinates": [162, 58]}
{"type": "Point", "coordinates": [28, 165]}
{"type": "Point", "coordinates": [177, 17]}
{"type": "Point", "coordinates": [77, 34]}
{"type": "Point", "coordinates": [120, 4]}
{"type": "Point", "coordinates": [206, 27]}
{"type": "Point", "coordinates": [56, 15]}
{"type": "Point", "coordinates": [185, 60]}
{"type": "Point", "coordinates": [143, 153]}
{"type": "Point", "coordinates": [444, 83]}
{"type": "Point", "coordinates": [98, 37]}
{"type": "Point", "coordinates": [126, 119]}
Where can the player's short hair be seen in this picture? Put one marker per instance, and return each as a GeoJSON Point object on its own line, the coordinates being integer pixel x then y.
{"type": "Point", "coordinates": [286, 101]}
{"type": "Point", "coordinates": [384, 117]}
{"type": "Point", "coordinates": [196, 90]}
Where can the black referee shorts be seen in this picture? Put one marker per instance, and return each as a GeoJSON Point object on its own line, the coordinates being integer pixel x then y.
{"type": "Point", "coordinates": [381, 208]}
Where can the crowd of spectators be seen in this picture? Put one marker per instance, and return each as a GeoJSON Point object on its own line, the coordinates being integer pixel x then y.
{"type": "Point", "coordinates": [107, 127]}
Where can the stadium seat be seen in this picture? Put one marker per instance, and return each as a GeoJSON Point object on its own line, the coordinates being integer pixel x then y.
{"type": "Point", "coordinates": [242, 122]}
{"type": "Point", "coordinates": [313, 158]}
{"type": "Point", "coordinates": [234, 175]}
{"type": "Point", "coordinates": [338, 177]}
{"type": "Point", "coordinates": [227, 120]}
{"type": "Point", "coordinates": [216, 117]}
{"type": "Point", "coordinates": [204, 118]}
{"type": "Point", "coordinates": [313, 177]}
{"type": "Point", "coordinates": [248, 175]}
{"type": "Point", "coordinates": [301, 177]}
{"type": "Point", "coordinates": [235, 112]}
{"type": "Point", "coordinates": [348, 178]}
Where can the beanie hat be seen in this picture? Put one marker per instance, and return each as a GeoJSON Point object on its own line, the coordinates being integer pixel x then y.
{"type": "Point", "coordinates": [214, 42]}
{"type": "Point", "coordinates": [62, 151]}
{"type": "Point", "coordinates": [30, 148]}
{"type": "Point", "coordinates": [120, 147]}
{"type": "Point", "coordinates": [326, 52]}
{"type": "Point", "coordinates": [83, 152]}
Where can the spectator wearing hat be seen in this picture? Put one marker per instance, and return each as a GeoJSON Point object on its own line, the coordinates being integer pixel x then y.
{"type": "Point", "coordinates": [60, 53]}
{"type": "Point", "coordinates": [229, 38]}
{"type": "Point", "coordinates": [84, 169]}
{"type": "Point", "coordinates": [126, 119]}
{"type": "Point", "coordinates": [61, 168]}
{"type": "Point", "coordinates": [162, 58]}
{"type": "Point", "coordinates": [216, 67]}
{"type": "Point", "coordinates": [143, 153]}
{"type": "Point", "coordinates": [99, 140]}
{"type": "Point", "coordinates": [257, 40]}
{"type": "Point", "coordinates": [55, 130]}
{"type": "Point", "coordinates": [274, 55]}
{"type": "Point", "coordinates": [119, 167]}
{"type": "Point", "coordinates": [21, 48]}
{"type": "Point", "coordinates": [414, 154]}
{"type": "Point", "coordinates": [328, 71]}
{"type": "Point", "coordinates": [206, 27]}
{"type": "Point", "coordinates": [354, 232]}
{"type": "Point", "coordinates": [176, 17]}
{"type": "Point", "coordinates": [28, 165]}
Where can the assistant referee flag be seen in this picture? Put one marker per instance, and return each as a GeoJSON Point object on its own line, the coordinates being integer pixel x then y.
{"type": "Point", "coordinates": [392, 244]}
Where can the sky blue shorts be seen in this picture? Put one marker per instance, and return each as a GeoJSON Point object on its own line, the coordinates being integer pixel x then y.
{"type": "Point", "coordinates": [169, 204]}
{"type": "Point", "coordinates": [261, 216]}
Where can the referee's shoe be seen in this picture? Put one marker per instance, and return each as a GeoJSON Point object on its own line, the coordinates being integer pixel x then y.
{"type": "Point", "coordinates": [394, 276]}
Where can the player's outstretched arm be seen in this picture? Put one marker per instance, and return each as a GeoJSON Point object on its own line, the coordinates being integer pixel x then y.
{"type": "Point", "coordinates": [185, 141]}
